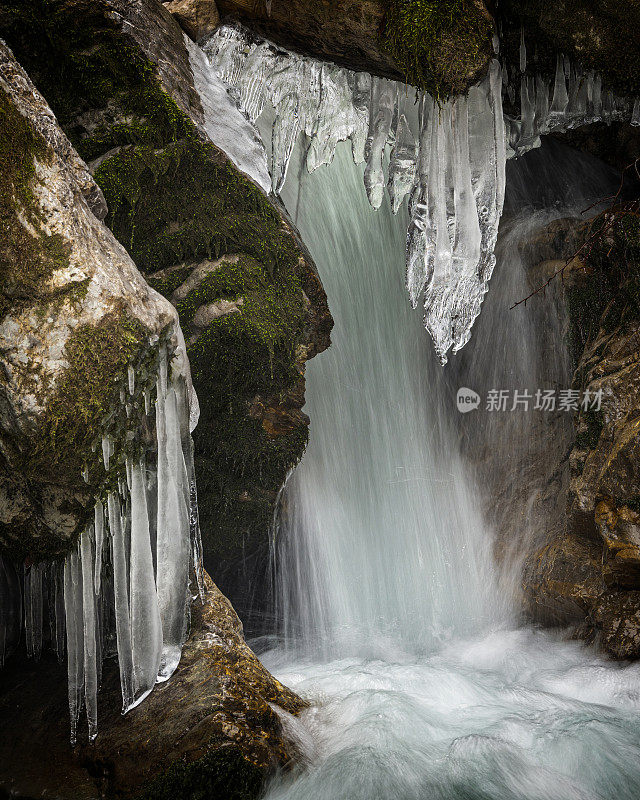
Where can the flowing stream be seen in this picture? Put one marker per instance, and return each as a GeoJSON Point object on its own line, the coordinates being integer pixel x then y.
{"type": "Point", "coordinates": [397, 626]}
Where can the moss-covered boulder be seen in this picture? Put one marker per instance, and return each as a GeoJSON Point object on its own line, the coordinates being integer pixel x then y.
{"type": "Point", "coordinates": [75, 314]}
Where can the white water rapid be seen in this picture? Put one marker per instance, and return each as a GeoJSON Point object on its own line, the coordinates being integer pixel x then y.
{"type": "Point", "coordinates": [397, 628]}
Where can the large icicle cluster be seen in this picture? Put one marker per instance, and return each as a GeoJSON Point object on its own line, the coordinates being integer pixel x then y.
{"type": "Point", "coordinates": [574, 98]}
{"type": "Point", "coordinates": [449, 159]}
{"type": "Point", "coordinates": [126, 587]}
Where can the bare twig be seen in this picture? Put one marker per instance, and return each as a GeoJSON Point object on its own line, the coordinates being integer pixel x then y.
{"type": "Point", "coordinates": [611, 215]}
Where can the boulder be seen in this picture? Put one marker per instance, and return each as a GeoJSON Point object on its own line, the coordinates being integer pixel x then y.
{"type": "Point", "coordinates": [186, 182]}
{"type": "Point", "coordinates": [197, 18]}
{"type": "Point", "coordinates": [75, 314]}
{"type": "Point", "coordinates": [434, 45]}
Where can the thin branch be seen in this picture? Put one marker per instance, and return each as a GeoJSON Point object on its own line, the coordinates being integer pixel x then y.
{"type": "Point", "coordinates": [612, 214]}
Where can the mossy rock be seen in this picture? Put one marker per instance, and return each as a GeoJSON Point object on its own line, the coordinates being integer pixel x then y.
{"type": "Point", "coordinates": [223, 774]}
{"type": "Point", "coordinates": [442, 46]}
{"type": "Point", "coordinates": [28, 254]}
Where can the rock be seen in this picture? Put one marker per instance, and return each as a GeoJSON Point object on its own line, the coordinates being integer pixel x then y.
{"type": "Point", "coordinates": [75, 312]}
{"type": "Point", "coordinates": [197, 18]}
{"type": "Point", "coordinates": [436, 47]}
{"type": "Point", "coordinates": [619, 529]}
{"type": "Point", "coordinates": [588, 572]}
{"type": "Point", "coordinates": [180, 204]}
{"type": "Point", "coordinates": [216, 725]}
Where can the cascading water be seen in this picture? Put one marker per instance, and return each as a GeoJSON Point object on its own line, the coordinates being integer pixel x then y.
{"type": "Point", "coordinates": [396, 624]}
{"type": "Point", "coordinates": [385, 538]}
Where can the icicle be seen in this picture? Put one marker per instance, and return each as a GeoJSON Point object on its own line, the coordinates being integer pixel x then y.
{"type": "Point", "coordinates": [542, 105]}
{"type": "Point", "coordinates": [10, 608]}
{"type": "Point", "coordinates": [147, 401]}
{"type": "Point", "coordinates": [361, 94]}
{"type": "Point", "coordinates": [467, 235]}
{"type": "Point", "coordinates": [121, 600]}
{"type": "Point", "coordinates": [197, 560]}
{"type": "Point", "coordinates": [162, 371]}
{"type": "Point", "coordinates": [381, 115]}
{"type": "Point", "coordinates": [635, 114]}
{"type": "Point", "coordinates": [106, 451]}
{"type": "Point", "coordinates": [131, 377]}
{"type": "Point", "coordinates": [59, 632]}
{"type": "Point", "coordinates": [146, 627]}
{"type": "Point", "coordinates": [560, 97]}
{"type": "Point", "coordinates": [98, 514]}
{"type": "Point", "coordinates": [173, 533]}
{"type": "Point", "coordinates": [597, 97]}
{"type": "Point", "coordinates": [336, 118]}
{"type": "Point", "coordinates": [286, 127]}
{"type": "Point", "coordinates": [85, 473]}
{"type": "Point", "coordinates": [523, 52]}
{"type": "Point", "coordinates": [402, 166]}
{"type": "Point", "coordinates": [33, 609]}
{"type": "Point", "coordinates": [418, 275]}
{"type": "Point", "coordinates": [89, 631]}
{"type": "Point", "coordinates": [75, 637]}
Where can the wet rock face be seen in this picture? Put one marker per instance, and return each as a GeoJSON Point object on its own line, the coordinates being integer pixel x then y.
{"type": "Point", "coordinates": [74, 313]}
{"type": "Point", "coordinates": [197, 18]}
{"type": "Point", "coordinates": [178, 204]}
{"type": "Point", "coordinates": [442, 46]}
{"type": "Point", "coordinates": [588, 575]}
{"type": "Point", "coordinates": [216, 727]}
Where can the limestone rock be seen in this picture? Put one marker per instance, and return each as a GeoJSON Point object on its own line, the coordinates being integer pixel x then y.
{"type": "Point", "coordinates": [197, 18]}
{"type": "Point", "coordinates": [72, 301]}
{"type": "Point", "coordinates": [588, 573]}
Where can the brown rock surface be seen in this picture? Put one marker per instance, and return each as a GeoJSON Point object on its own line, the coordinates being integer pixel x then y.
{"type": "Point", "coordinates": [197, 18]}
{"type": "Point", "coordinates": [216, 711]}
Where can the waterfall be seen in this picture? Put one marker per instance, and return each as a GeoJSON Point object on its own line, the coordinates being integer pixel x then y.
{"type": "Point", "coordinates": [396, 617]}
{"type": "Point", "coordinates": [383, 537]}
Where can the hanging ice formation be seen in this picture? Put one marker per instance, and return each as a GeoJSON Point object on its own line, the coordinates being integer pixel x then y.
{"type": "Point", "coordinates": [125, 588]}
{"type": "Point", "coordinates": [573, 98]}
{"type": "Point", "coordinates": [449, 160]}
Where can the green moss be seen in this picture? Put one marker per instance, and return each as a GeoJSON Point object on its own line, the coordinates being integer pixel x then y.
{"type": "Point", "coordinates": [222, 774]}
{"type": "Point", "coordinates": [439, 45]}
{"type": "Point", "coordinates": [184, 202]}
{"type": "Point", "coordinates": [86, 392]}
{"type": "Point", "coordinates": [102, 89]}
{"type": "Point", "coordinates": [174, 199]}
{"type": "Point", "coordinates": [28, 255]}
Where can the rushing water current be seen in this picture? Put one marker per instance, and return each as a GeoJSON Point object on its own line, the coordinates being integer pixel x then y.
{"type": "Point", "coordinates": [397, 628]}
